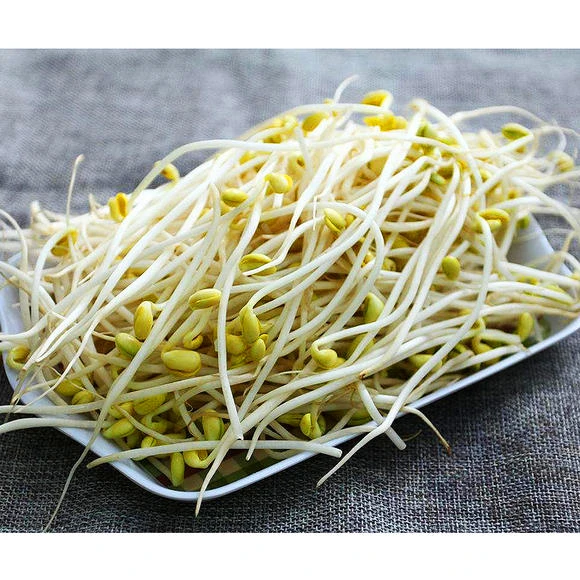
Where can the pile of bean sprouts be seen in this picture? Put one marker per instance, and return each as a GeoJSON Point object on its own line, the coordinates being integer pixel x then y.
{"type": "Point", "coordinates": [308, 281]}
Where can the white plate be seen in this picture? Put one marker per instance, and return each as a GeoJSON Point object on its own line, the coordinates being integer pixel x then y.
{"type": "Point", "coordinates": [521, 252]}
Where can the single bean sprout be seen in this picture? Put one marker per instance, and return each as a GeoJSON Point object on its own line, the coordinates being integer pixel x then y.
{"type": "Point", "coordinates": [308, 281]}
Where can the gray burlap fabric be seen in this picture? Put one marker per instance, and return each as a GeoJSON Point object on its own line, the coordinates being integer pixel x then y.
{"type": "Point", "coordinates": [515, 463]}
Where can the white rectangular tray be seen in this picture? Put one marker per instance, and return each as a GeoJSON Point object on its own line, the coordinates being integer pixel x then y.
{"type": "Point", "coordinates": [521, 252]}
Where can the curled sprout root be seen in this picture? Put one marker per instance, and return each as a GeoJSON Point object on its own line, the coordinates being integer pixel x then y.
{"type": "Point", "coordinates": [310, 280]}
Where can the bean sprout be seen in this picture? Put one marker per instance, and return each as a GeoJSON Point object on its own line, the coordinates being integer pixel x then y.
{"type": "Point", "coordinates": [308, 281]}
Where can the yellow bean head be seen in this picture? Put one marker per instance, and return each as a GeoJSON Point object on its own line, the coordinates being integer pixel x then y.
{"type": "Point", "coordinates": [525, 326]}
{"type": "Point", "coordinates": [312, 121]}
{"type": "Point", "coordinates": [143, 320]}
{"type": "Point", "coordinates": [182, 361]}
{"type": "Point", "coordinates": [17, 357]}
{"type": "Point", "coordinates": [251, 328]}
{"type": "Point", "coordinates": [279, 182]}
{"type": "Point", "coordinates": [373, 306]}
{"type": "Point", "coordinates": [513, 131]}
{"type": "Point", "coordinates": [377, 98]}
{"type": "Point", "coordinates": [127, 344]}
{"type": "Point", "coordinates": [207, 298]}
{"type": "Point", "coordinates": [177, 468]}
{"type": "Point", "coordinates": [121, 428]}
{"type": "Point", "coordinates": [451, 267]}
{"type": "Point", "coordinates": [170, 172]}
{"type": "Point", "coordinates": [252, 261]}
{"type": "Point", "coordinates": [148, 405]}
{"type": "Point", "coordinates": [312, 429]}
